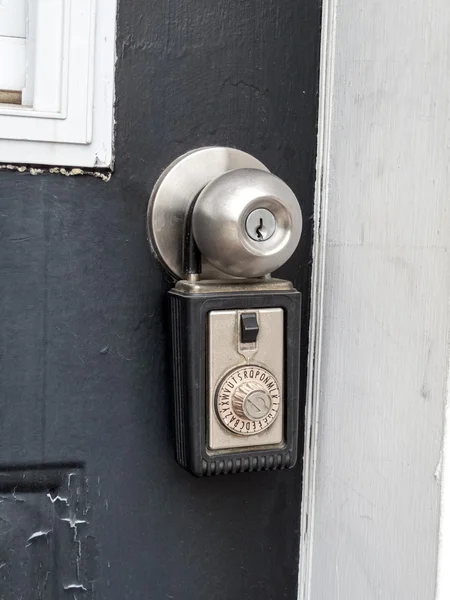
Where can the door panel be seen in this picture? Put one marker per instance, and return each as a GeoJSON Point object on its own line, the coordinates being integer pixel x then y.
{"type": "Point", "coordinates": [84, 341]}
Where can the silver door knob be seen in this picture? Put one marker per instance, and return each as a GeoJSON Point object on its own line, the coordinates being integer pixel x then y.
{"type": "Point", "coordinates": [247, 222]}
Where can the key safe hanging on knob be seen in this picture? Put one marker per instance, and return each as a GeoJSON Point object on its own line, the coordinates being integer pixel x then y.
{"type": "Point", "coordinates": [220, 222]}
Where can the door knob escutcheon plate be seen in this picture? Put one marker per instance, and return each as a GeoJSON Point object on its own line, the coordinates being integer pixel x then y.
{"type": "Point", "coordinates": [174, 193]}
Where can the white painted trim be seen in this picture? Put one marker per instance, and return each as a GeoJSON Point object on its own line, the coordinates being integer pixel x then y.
{"type": "Point", "coordinates": [380, 312]}
{"type": "Point", "coordinates": [326, 83]}
{"type": "Point", "coordinates": [52, 28]}
{"type": "Point", "coordinates": [30, 62]}
{"type": "Point", "coordinates": [443, 471]}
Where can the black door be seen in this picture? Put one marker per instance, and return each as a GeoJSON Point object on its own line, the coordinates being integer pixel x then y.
{"type": "Point", "coordinates": [92, 502]}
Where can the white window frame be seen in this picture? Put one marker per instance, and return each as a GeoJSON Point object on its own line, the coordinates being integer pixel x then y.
{"type": "Point", "coordinates": [69, 89]}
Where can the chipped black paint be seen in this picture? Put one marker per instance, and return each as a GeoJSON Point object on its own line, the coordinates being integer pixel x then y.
{"type": "Point", "coordinates": [83, 337]}
{"type": "Point", "coordinates": [46, 546]}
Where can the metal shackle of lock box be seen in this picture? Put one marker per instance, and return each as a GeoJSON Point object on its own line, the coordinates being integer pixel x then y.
{"type": "Point", "coordinates": [220, 223]}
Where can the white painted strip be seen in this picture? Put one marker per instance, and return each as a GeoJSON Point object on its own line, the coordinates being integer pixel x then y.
{"type": "Point", "coordinates": [50, 49]}
{"type": "Point", "coordinates": [12, 63]}
{"type": "Point", "coordinates": [443, 579]}
{"type": "Point", "coordinates": [13, 18]}
{"type": "Point", "coordinates": [30, 54]}
{"type": "Point", "coordinates": [384, 228]}
{"type": "Point", "coordinates": [326, 83]}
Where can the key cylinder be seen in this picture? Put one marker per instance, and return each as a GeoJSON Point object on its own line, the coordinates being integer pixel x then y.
{"type": "Point", "coordinates": [260, 224]}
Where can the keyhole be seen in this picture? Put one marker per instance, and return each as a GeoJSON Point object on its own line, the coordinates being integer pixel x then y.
{"type": "Point", "coordinates": [259, 232]}
{"type": "Point", "coordinates": [260, 224]}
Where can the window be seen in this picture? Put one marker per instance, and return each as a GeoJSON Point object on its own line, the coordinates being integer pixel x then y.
{"type": "Point", "coordinates": [57, 76]}
{"type": "Point", "coordinates": [12, 50]}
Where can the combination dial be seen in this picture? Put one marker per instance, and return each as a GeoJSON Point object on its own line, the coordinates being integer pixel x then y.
{"type": "Point", "coordinates": [248, 400]}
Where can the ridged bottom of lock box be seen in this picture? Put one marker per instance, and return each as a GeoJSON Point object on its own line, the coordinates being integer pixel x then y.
{"type": "Point", "coordinates": [243, 464]}
{"type": "Point", "coordinates": [270, 462]}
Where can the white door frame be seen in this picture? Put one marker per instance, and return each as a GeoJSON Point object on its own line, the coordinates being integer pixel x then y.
{"type": "Point", "coordinates": [380, 306]}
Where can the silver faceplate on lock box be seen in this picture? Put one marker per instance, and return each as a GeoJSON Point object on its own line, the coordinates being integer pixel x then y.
{"type": "Point", "coordinates": [249, 376]}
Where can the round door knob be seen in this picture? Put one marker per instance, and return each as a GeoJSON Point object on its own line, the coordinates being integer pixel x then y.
{"type": "Point", "coordinates": [247, 222]}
